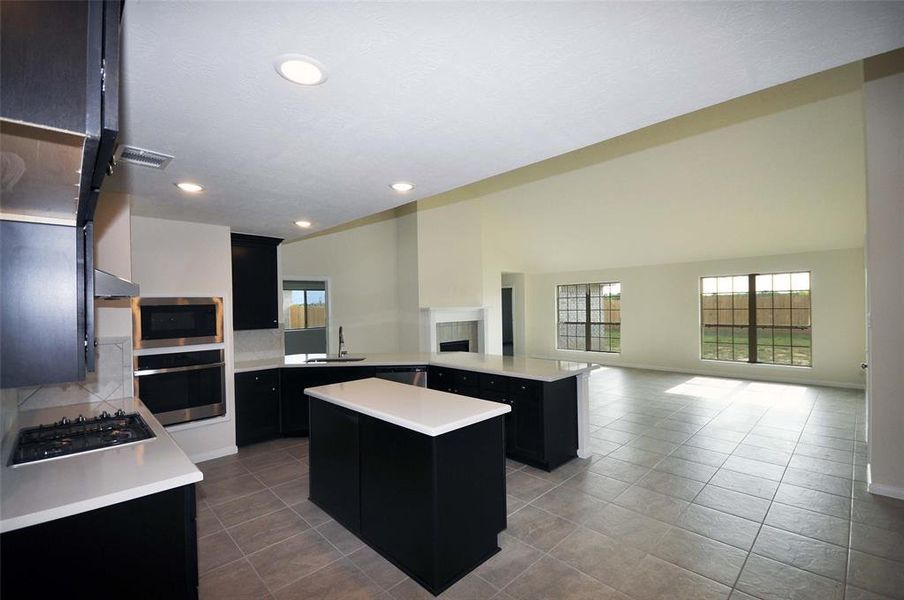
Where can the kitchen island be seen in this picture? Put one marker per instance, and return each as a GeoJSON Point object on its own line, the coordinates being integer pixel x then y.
{"type": "Point", "coordinates": [417, 474]}
{"type": "Point", "coordinates": [549, 423]}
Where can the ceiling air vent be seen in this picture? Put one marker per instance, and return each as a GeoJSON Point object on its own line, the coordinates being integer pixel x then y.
{"type": "Point", "coordinates": [142, 157]}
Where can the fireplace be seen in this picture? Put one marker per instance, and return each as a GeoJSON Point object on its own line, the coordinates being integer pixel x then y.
{"type": "Point", "coordinates": [455, 346]}
{"type": "Point", "coordinates": [453, 329]}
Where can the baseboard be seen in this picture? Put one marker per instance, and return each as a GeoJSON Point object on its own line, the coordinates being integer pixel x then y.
{"type": "Point", "coordinates": [755, 376]}
{"type": "Point", "coordinates": [881, 489]}
{"type": "Point", "coordinates": [218, 453]}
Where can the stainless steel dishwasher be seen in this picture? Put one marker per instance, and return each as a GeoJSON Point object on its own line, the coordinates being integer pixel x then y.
{"type": "Point", "coordinates": [410, 375]}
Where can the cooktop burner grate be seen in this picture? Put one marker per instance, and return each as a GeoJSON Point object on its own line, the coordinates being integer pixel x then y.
{"type": "Point", "coordinates": [67, 437]}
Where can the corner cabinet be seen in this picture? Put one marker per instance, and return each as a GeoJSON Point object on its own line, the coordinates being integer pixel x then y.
{"type": "Point", "coordinates": [541, 430]}
{"type": "Point", "coordinates": [255, 282]}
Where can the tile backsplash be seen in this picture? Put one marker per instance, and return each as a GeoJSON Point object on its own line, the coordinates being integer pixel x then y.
{"type": "Point", "coordinates": [111, 380]}
{"type": "Point", "coordinates": [451, 331]}
{"type": "Point", "coordinates": [259, 344]}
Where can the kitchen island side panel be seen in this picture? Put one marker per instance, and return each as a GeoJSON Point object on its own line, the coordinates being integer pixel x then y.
{"type": "Point", "coordinates": [433, 505]}
{"type": "Point", "coordinates": [335, 462]}
{"type": "Point", "coordinates": [398, 495]}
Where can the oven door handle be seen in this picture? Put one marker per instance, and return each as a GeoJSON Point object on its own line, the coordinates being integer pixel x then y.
{"type": "Point", "coordinates": [178, 369]}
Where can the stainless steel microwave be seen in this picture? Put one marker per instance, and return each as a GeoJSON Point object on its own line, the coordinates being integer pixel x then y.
{"type": "Point", "coordinates": [166, 322]}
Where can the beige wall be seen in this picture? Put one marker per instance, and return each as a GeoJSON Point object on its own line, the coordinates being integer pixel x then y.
{"type": "Point", "coordinates": [884, 104]}
{"type": "Point", "coordinates": [776, 174]}
{"type": "Point", "coordinates": [176, 258]}
{"type": "Point", "coordinates": [780, 171]}
{"type": "Point", "coordinates": [361, 264]}
{"type": "Point", "coordinates": [661, 316]}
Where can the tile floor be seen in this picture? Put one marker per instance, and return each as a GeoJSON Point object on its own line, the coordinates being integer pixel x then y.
{"type": "Point", "coordinates": [698, 488]}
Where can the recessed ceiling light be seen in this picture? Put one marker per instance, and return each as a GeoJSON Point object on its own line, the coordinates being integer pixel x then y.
{"type": "Point", "coordinates": [191, 188]}
{"type": "Point", "coordinates": [299, 69]}
{"type": "Point", "coordinates": [402, 186]}
{"type": "Point", "coordinates": [304, 224]}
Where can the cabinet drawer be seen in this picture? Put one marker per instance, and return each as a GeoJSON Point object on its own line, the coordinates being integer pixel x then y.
{"type": "Point", "coordinates": [525, 387]}
{"type": "Point", "coordinates": [493, 383]}
{"type": "Point", "coordinates": [466, 379]}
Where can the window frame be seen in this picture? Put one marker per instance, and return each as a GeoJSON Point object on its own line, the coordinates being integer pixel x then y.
{"type": "Point", "coordinates": [326, 311]}
{"type": "Point", "coordinates": [753, 326]}
{"type": "Point", "coordinates": [588, 323]}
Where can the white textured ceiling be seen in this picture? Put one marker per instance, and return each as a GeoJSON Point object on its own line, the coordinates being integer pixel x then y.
{"type": "Point", "coordinates": [441, 94]}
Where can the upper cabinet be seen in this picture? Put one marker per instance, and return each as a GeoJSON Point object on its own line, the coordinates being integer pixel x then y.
{"type": "Point", "coordinates": [59, 117]}
{"type": "Point", "coordinates": [59, 105]}
{"type": "Point", "coordinates": [255, 283]}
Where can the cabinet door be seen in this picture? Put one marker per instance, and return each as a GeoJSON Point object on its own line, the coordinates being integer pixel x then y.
{"type": "Point", "coordinates": [41, 294]}
{"type": "Point", "coordinates": [510, 429]}
{"type": "Point", "coordinates": [256, 406]}
{"type": "Point", "coordinates": [527, 419]}
{"type": "Point", "coordinates": [440, 379]}
{"type": "Point", "coordinates": [335, 462]}
{"type": "Point", "coordinates": [293, 419]}
{"type": "Point", "coordinates": [254, 282]}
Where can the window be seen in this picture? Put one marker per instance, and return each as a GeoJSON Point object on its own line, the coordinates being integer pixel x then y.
{"type": "Point", "coordinates": [757, 318]}
{"type": "Point", "coordinates": [304, 304]}
{"type": "Point", "coordinates": [589, 317]}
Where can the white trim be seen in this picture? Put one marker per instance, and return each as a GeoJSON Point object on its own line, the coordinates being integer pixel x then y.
{"type": "Point", "coordinates": [199, 423]}
{"type": "Point", "coordinates": [711, 373]}
{"type": "Point", "coordinates": [212, 454]}
{"type": "Point", "coordinates": [891, 491]}
{"type": "Point", "coordinates": [431, 316]}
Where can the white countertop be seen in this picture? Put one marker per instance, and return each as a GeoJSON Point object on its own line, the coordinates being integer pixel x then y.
{"type": "Point", "coordinates": [34, 493]}
{"type": "Point", "coordinates": [426, 411]}
{"type": "Point", "coordinates": [524, 367]}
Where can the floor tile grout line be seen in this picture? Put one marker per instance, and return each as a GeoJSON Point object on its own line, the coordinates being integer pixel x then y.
{"type": "Point", "coordinates": [771, 502]}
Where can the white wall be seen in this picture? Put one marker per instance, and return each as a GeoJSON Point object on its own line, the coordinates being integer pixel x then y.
{"type": "Point", "coordinates": [884, 105]}
{"type": "Point", "coordinates": [661, 316]}
{"type": "Point", "coordinates": [361, 263]}
{"type": "Point", "coordinates": [176, 258]}
{"type": "Point", "coordinates": [112, 241]}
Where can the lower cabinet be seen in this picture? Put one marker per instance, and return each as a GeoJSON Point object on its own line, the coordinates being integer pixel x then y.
{"type": "Point", "coordinates": [541, 430]}
{"type": "Point", "coordinates": [432, 506]}
{"type": "Point", "coordinates": [257, 406]}
{"type": "Point", "coordinates": [144, 548]}
{"type": "Point", "coordinates": [294, 403]}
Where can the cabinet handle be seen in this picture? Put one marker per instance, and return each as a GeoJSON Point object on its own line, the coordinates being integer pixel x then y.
{"type": "Point", "coordinates": [256, 379]}
{"type": "Point", "coordinates": [273, 390]}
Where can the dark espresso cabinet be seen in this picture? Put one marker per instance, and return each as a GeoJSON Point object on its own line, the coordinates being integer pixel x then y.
{"type": "Point", "coordinates": [255, 285]}
{"type": "Point", "coordinates": [143, 549]}
{"type": "Point", "coordinates": [541, 430]}
{"type": "Point", "coordinates": [42, 328]}
{"type": "Point", "coordinates": [431, 505]}
{"type": "Point", "coordinates": [59, 103]}
{"type": "Point", "coordinates": [272, 403]}
{"type": "Point", "coordinates": [294, 411]}
{"type": "Point", "coordinates": [257, 406]}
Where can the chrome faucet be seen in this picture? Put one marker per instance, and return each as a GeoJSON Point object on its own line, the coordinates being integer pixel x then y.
{"type": "Point", "coordinates": [342, 350]}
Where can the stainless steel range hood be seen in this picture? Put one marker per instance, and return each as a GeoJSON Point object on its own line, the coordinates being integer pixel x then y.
{"type": "Point", "coordinates": [107, 285]}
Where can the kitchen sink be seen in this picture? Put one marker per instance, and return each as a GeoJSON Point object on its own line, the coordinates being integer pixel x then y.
{"type": "Point", "coordinates": [337, 359]}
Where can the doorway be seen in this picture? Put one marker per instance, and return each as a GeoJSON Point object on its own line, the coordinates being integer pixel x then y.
{"type": "Point", "coordinates": [508, 335]}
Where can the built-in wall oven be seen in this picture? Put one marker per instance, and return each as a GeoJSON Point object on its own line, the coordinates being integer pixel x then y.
{"type": "Point", "coordinates": [173, 322]}
{"type": "Point", "coordinates": [182, 386]}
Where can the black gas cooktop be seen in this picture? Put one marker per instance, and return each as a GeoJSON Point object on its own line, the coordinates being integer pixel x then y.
{"type": "Point", "coordinates": [81, 434]}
